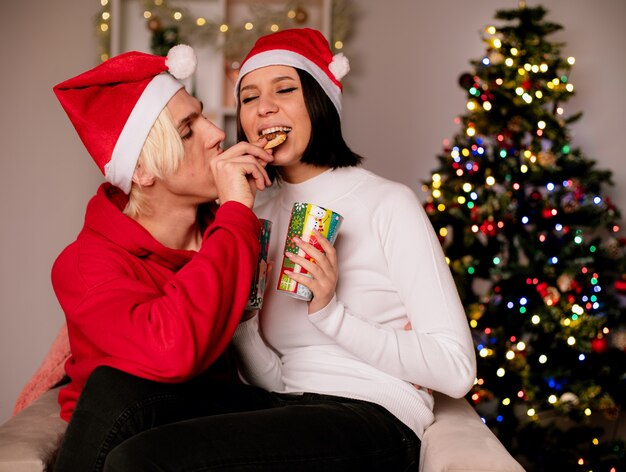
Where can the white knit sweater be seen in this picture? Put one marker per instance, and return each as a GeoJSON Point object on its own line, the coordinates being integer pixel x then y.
{"type": "Point", "coordinates": [391, 271]}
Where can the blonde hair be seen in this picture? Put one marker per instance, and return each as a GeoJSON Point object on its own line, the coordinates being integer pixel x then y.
{"type": "Point", "coordinates": [161, 154]}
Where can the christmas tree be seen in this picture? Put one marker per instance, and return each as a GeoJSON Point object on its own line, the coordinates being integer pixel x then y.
{"type": "Point", "coordinates": [535, 251]}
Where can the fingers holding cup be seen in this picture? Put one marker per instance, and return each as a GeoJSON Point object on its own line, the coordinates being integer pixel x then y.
{"type": "Point", "coordinates": [311, 269]}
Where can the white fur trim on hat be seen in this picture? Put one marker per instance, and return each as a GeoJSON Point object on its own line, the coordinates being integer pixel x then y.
{"type": "Point", "coordinates": [283, 57]}
{"type": "Point", "coordinates": [119, 170]}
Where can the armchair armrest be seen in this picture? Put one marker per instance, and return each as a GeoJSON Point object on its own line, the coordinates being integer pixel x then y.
{"type": "Point", "coordinates": [458, 440]}
{"type": "Point", "coordinates": [30, 439]}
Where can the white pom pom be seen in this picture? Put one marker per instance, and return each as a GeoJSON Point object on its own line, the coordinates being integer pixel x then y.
{"type": "Point", "coordinates": [181, 61]}
{"type": "Point", "coordinates": [339, 66]}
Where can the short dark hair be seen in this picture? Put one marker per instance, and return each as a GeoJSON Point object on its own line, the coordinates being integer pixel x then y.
{"type": "Point", "coordinates": [326, 146]}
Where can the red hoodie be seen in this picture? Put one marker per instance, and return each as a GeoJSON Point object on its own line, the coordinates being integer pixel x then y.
{"type": "Point", "coordinates": [136, 305]}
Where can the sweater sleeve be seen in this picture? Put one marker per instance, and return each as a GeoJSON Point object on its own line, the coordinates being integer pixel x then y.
{"type": "Point", "coordinates": [438, 352]}
{"type": "Point", "coordinates": [258, 364]}
{"type": "Point", "coordinates": [169, 334]}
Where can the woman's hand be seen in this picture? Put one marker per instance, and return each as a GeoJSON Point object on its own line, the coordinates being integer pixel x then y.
{"type": "Point", "coordinates": [322, 271]}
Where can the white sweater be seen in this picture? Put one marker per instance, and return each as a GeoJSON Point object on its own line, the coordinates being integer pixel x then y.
{"type": "Point", "coordinates": [391, 271]}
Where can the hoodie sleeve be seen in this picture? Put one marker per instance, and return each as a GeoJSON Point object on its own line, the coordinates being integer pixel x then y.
{"type": "Point", "coordinates": [117, 317]}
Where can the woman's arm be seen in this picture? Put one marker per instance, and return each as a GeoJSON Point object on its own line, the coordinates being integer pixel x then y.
{"type": "Point", "coordinates": [438, 352]}
{"type": "Point", "coordinates": [258, 364]}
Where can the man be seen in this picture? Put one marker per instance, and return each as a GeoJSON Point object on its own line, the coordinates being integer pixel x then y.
{"type": "Point", "coordinates": [157, 280]}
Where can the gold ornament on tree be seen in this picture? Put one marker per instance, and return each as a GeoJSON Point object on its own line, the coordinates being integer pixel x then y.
{"type": "Point", "coordinates": [546, 158]}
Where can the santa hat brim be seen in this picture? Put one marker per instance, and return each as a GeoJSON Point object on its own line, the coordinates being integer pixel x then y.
{"type": "Point", "coordinates": [119, 170]}
{"type": "Point", "coordinates": [283, 57]}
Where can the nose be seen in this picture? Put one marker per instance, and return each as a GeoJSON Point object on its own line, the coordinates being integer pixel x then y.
{"type": "Point", "coordinates": [267, 105]}
{"type": "Point", "coordinates": [214, 135]}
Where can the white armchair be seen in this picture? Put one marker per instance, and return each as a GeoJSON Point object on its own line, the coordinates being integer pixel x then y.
{"type": "Point", "coordinates": [457, 440]}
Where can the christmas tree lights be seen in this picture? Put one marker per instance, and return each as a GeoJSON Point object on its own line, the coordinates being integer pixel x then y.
{"type": "Point", "coordinates": [533, 244]}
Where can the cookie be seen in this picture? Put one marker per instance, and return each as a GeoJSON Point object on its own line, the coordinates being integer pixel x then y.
{"type": "Point", "coordinates": [274, 139]}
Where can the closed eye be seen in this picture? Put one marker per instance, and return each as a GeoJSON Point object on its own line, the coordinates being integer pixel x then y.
{"type": "Point", "coordinates": [185, 124]}
{"type": "Point", "coordinates": [287, 90]}
{"type": "Point", "coordinates": [248, 99]}
{"type": "Point", "coordinates": [187, 135]}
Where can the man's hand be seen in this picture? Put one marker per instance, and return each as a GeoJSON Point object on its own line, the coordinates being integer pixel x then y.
{"type": "Point", "coordinates": [240, 171]}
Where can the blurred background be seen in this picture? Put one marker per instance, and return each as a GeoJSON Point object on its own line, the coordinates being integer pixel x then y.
{"type": "Point", "coordinates": [400, 102]}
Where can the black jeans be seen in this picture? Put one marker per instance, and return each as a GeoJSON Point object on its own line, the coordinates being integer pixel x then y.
{"type": "Point", "coordinates": [123, 423]}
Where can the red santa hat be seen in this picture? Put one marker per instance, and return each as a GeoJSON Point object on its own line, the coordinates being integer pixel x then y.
{"type": "Point", "coordinates": [303, 48]}
{"type": "Point", "coordinates": [114, 105]}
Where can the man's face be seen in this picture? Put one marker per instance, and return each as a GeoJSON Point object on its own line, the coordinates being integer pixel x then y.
{"type": "Point", "coordinates": [202, 141]}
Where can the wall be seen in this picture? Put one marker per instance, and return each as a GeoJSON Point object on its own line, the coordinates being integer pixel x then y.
{"type": "Point", "coordinates": [404, 95]}
{"type": "Point", "coordinates": [400, 102]}
{"type": "Point", "coordinates": [46, 176]}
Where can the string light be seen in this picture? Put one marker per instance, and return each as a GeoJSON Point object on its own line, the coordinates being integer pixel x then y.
{"type": "Point", "coordinates": [159, 9]}
{"type": "Point", "coordinates": [485, 172]}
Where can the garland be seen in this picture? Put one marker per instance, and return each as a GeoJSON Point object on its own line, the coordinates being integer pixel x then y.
{"type": "Point", "coordinates": [171, 25]}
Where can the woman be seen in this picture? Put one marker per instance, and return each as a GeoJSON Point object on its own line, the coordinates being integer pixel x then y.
{"type": "Point", "coordinates": [340, 373]}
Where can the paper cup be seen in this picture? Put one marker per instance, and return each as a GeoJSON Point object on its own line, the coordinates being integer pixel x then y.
{"type": "Point", "coordinates": [305, 217]}
{"type": "Point", "coordinates": [255, 299]}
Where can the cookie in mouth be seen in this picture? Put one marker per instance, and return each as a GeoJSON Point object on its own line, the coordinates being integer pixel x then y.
{"type": "Point", "coordinates": [275, 136]}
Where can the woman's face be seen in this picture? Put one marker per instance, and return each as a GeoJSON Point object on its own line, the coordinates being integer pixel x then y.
{"type": "Point", "coordinates": [271, 97]}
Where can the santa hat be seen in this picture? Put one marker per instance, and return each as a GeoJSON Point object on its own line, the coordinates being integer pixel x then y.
{"type": "Point", "coordinates": [303, 48]}
{"type": "Point", "coordinates": [114, 105]}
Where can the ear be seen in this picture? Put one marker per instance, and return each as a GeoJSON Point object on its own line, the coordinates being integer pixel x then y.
{"type": "Point", "coordinates": [142, 177]}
